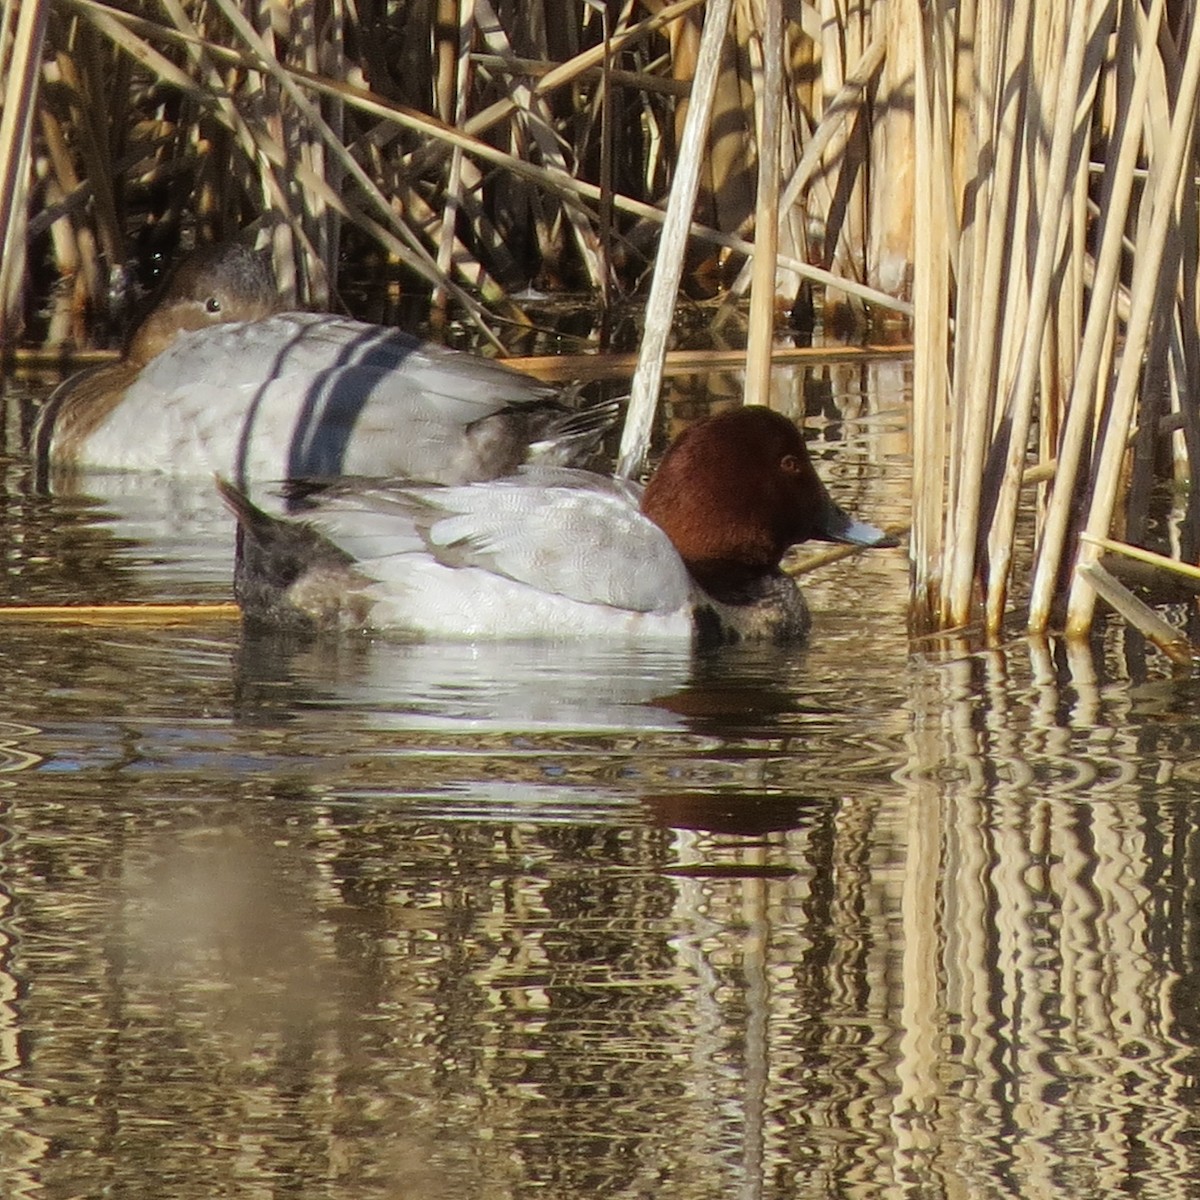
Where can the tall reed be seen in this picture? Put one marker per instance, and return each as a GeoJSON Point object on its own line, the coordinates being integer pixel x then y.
{"type": "Point", "coordinates": [477, 146]}
{"type": "Point", "coordinates": [22, 32]}
{"type": "Point", "coordinates": [1065, 279]}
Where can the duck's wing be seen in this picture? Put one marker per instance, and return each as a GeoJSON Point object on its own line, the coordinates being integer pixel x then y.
{"type": "Point", "coordinates": [582, 536]}
{"type": "Point", "coordinates": [314, 348]}
{"type": "Point", "coordinates": [325, 396]}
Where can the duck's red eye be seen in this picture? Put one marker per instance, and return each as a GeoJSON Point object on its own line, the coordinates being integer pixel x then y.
{"type": "Point", "coordinates": [790, 463]}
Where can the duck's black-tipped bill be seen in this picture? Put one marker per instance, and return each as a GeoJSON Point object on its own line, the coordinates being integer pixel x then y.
{"type": "Point", "coordinates": [837, 525]}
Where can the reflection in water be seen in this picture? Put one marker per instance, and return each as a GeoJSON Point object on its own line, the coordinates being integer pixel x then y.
{"type": "Point", "coordinates": [352, 954]}
{"type": "Point", "coordinates": [1053, 823]}
{"type": "Point", "coordinates": [356, 919]}
{"type": "Point", "coordinates": [465, 686]}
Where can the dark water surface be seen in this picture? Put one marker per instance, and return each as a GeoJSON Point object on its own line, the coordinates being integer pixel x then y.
{"type": "Point", "coordinates": [363, 919]}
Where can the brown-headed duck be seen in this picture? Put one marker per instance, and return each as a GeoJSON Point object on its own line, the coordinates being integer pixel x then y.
{"type": "Point", "coordinates": [559, 552]}
{"type": "Point", "coordinates": [217, 379]}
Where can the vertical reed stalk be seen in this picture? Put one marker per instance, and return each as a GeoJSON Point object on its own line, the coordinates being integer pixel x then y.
{"type": "Point", "coordinates": [1065, 147]}
{"type": "Point", "coordinates": [931, 297]}
{"type": "Point", "coordinates": [1080, 410]}
{"type": "Point", "coordinates": [605, 210]}
{"type": "Point", "coordinates": [24, 65]}
{"type": "Point", "coordinates": [1034, 296]}
{"type": "Point", "coordinates": [454, 78]}
{"type": "Point", "coordinates": [536, 117]}
{"type": "Point", "coordinates": [766, 225]}
{"type": "Point", "coordinates": [846, 106]}
{"type": "Point", "coordinates": [892, 48]}
{"type": "Point", "coordinates": [647, 377]}
{"type": "Point", "coordinates": [1081, 601]}
{"type": "Point", "coordinates": [1000, 55]}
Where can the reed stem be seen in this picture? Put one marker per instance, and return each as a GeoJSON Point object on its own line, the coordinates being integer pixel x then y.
{"type": "Point", "coordinates": [1097, 332]}
{"type": "Point", "coordinates": [1065, 148]}
{"type": "Point", "coordinates": [21, 77]}
{"type": "Point", "coordinates": [1081, 600]}
{"type": "Point", "coordinates": [766, 222]}
{"type": "Point", "coordinates": [668, 269]}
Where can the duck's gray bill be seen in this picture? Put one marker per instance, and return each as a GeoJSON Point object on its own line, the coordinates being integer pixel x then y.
{"type": "Point", "coordinates": [840, 526]}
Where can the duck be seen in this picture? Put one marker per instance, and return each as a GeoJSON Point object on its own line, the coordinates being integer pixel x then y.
{"type": "Point", "coordinates": [220, 378]}
{"type": "Point", "coordinates": [558, 552]}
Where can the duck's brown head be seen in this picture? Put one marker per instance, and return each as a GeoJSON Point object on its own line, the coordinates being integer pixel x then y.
{"type": "Point", "coordinates": [735, 490]}
{"type": "Point", "coordinates": [213, 286]}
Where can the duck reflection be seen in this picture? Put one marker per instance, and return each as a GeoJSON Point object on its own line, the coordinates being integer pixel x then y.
{"type": "Point", "coordinates": [532, 687]}
{"type": "Point", "coordinates": [53, 547]}
{"type": "Point", "coordinates": [747, 688]}
{"type": "Point", "coordinates": [735, 813]}
{"type": "Point", "coordinates": [175, 530]}
{"type": "Point", "coordinates": [538, 686]}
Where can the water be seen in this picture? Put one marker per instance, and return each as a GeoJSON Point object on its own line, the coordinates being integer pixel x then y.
{"type": "Point", "coordinates": [357, 919]}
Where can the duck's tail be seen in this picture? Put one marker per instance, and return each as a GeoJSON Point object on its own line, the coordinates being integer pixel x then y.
{"type": "Point", "coordinates": [287, 573]}
{"type": "Point", "coordinates": [568, 437]}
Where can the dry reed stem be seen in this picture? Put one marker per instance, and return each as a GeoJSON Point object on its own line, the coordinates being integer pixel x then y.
{"type": "Point", "coordinates": [605, 210]}
{"type": "Point", "coordinates": [583, 190]}
{"type": "Point", "coordinates": [1065, 147]}
{"type": "Point", "coordinates": [930, 352]}
{"type": "Point", "coordinates": [454, 76]}
{"type": "Point", "coordinates": [21, 78]}
{"type": "Point", "coordinates": [641, 81]}
{"type": "Point", "coordinates": [837, 35]}
{"type": "Point", "coordinates": [1185, 366]}
{"type": "Point", "coordinates": [724, 193]}
{"type": "Point", "coordinates": [892, 163]}
{"type": "Point", "coordinates": [824, 558]}
{"type": "Point", "coordinates": [1081, 600]}
{"type": "Point", "coordinates": [845, 106]}
{"type": "Point", "coordinates": [434, 133]}
{"type": "Point", "coordinates": [256, 143]}
{"type": "Point", "coordinates": [1172, 566]}
{"type": "Point", "coordinates": [418, 257]}
{"type": "Point", "coordinates": [1036, 321]}
{"type": "Point", "coordinates": [761, 335]}
{"type": "Point", "coordinates": [664, 287]}
{"type": "Point", "coordinates": [560, 76]}
{"type": "Point", "coordinates": [258, 146]}
{"type": "Point", "coordinates": [118, 614]}
{"type": "Point", "coordinates": [533, 107]}
{"type": "Point", "coordinates": [981, 296]}
{"type": "Point", "coordinates": [1139, 614]}
{"type": "Point", "coordinates": [84, 77]}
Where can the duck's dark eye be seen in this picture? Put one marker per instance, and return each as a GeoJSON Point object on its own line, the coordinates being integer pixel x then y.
{"type": "Point", "coordinates": [212, 305]}
{"type": "Point", "coordinates": [789, 463]}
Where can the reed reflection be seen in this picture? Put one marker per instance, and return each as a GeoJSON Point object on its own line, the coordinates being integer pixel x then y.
{"type": "Point", "coordinates": [1050, 841]}
{"type": "Point", "coordinates": [374, 918]}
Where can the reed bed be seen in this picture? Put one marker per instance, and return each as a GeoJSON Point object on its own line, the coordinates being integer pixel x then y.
{"type": "Point", "coordinates": [1018, 181]}
{"type": "Point", "coordinates": [1055, 350]}
{"type": "Point", "coordinates": [474, 148]}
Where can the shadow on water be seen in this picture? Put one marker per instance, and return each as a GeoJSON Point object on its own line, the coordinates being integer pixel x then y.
{"type": "Point", "coordinates": [366, 918]}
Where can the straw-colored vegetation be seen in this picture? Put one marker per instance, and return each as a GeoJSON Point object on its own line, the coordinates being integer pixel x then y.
{"type": "Point", "coordinates": [1027, 172]}
{"type": "Point", "coordinates": [1055, 295]}
{"type": "Point", "coordinates": [479, 147]}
